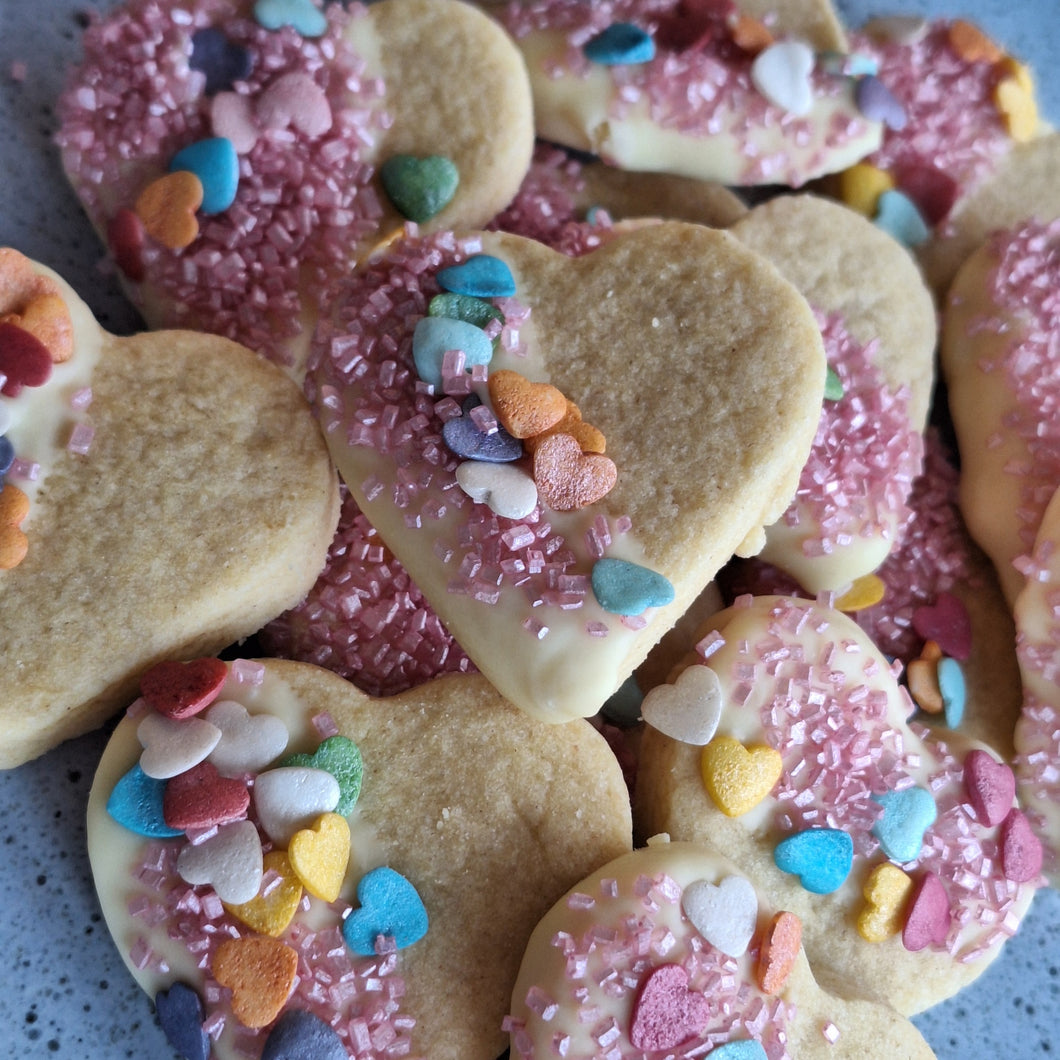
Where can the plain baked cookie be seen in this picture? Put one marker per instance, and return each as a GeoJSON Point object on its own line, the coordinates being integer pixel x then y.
{"type": "Point", "coordinates": [671, 951]}
{"type": "Point", "coordinates": [668, 385]}
{"type": "Point", "coordinates": [382, 873]}
{"type": "Point", "coordinates": [164, 494]}
{"type": "Point", "coordinates": [234, 156]}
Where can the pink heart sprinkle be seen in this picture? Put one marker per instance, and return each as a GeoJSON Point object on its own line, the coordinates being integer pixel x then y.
{"type": "Point", "coordinates": [295, 99]}
{"type": "Point", "coordinates": [991, 787]}
{"type": "Point", "coordinates": [666, 1013]}
{"type": "Point", "coordinates": [202, 798]}
{"type": "Point", "coordinates": [1021, 849]}
{"type": "Point", "coordinates": [231, 116]}
{"type": "Point", "coordinates": [928, 920]}
{"type": "Point", "coordinates": [180, 690]}
{"type": "Point", "coordinates": [946, 622]}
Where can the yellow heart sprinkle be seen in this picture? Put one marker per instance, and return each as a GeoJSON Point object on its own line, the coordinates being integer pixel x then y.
{"type": "Point", "coordinates": [738, 778]}
{"type": "Point", "coordinates": [1014, 99]}
{"type": "Point", "coordinates": [320, 855]}
{"type": "Point", "coordinates": [861, 186]}
{"type": "Point", "coordinates": [270, 912]}
{"type": "Point", "coordinates": [885, 893]}
{"type": "Point", "coordinates": [864, 592]}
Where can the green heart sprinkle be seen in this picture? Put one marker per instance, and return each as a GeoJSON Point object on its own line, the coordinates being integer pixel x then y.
{"type": "Point", "coordinates": [464, 307]}
{"type": "Point", "coordinates": [418, 187]}
{"type": "Point", "coordinates": [340, 757]}
{"type": "Point", "coordinates": [833, 388]}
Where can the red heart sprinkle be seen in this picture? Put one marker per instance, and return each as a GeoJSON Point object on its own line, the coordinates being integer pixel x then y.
{"type": "Point", "coordinates": [202, 798]}
{"type": "Point", "coordinates": [179, 690]}
{"type": "Point", "coordinates": [1021, 849]}
{"type": "Point", "coordinates": [24, 359]}
{"type": "Point", "coordinates": [666, 1014]}
{"type": "Point", "coordinates": [125, 237]}
{"type": "Point", "coordinates": [947, 623]}
{"type": "Point", "coordinates": [991, 787]}
{"type": "Point", "coordinates": [928, 919]}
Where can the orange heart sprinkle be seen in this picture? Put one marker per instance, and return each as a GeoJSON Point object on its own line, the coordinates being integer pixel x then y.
{"type": "Point", "coordinates": [522, 407]}
{"type": "Point", "coordinates": [738, 778]}
{"type": "Point", "coordinates": [167, 208]}
{"type": "Point", "coordinates": [972, 44]}
{"type": "Point", "coordinates": [780, 947]}
{"type": "Point", "coordinates": [47, 319]}
{"type": "Point", "coordinates": [585, 434]}
{"type": "Point", "coordinates": [14, 507]}
{"type": "Point", "coordinates": [750, 35]}
{"type": "Point", "coordinates": [568, 479]}
{"type": "Point", "coordinates": [922, 677]}
{"type": "Point", "coordinates": [260, 972]}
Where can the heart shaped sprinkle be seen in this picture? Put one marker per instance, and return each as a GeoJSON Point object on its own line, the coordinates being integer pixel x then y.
{"type": "Point", "coordinates": [14, 507]}
{"type": "Point", "coordinates": [589, 438]}
{"type": "Point", "coordinates": [216, 164]}
{"type": "Point", "coordinates": [922, 679]}
{"type": "Point", "coordinates": [180, 1015]}
{"type": "Point", "coordinates": [928, 919]}
{"type": "Point", "coordinates": [1015, 102]}
{"type": "Point", "coordinates": [971, 44]}
{"type": "Point", "coordinates": [899, 217]}
{"type": "Point", "coordinates": [136, 804]}
{"type": "Point", "coordinates": [230, 861]}
{"type": "Point", "coordinates": [666, 1013]}
{"type": "Point", "coordinates": [688, 710]}
{"type": "Point", "coordinates": [389, 907]}
{"type": "Point", "coordinates": [249, 742]}
{"type": "Point", "coordinates": [341, 757]}
{"type": "Point", "coordinates": [172, 747]}
{"type": "Point", "coordinates": [301, 15]}
{"type": "Point", "coordinates": [167, 206]}
{"type": "Point", "coordinates": [220, 60]}
{"type": "Point", "coordinates": [179, 690]}
{"type": "Point", "coordinates": [750, 34]}
{"type": "Point", "coordinates": [270, 911]}
{"type": "Point", "coordinates": [621, 44]}
{"type": "Point", "coordinates": [725, 915]}
{"type": "Point", "coordinates": [745, 1049]}
{"type": "Point", "coordinates": [320, 855]}
{"type": "Point", "coordinates": [296, 101]}
{"type": "Point", "coordinates": [464, 307]}
{"type": "Point", "coordinates": [483, 275]}
{"type": "Point", "coordinates": [946, 622]}
{"type": "Point", "coordinates": [991, 787]}
{"type": "Point", "coordinates": [568, 479]}
{"type": "Point", "coordinates": [886, 892]}
{"type": "Point", "coordinates": [507, 490]}
{"type": "Point", "coordinates": [125, 240]}
{"type": "Point", "coordinates": [260, 972]}
{"type": "Point", "coordinates": [24, 359]}
{"type": "Point", "coordinates": [738, 778]}
{"type": "Point", "coordinates": [779, 950]}
{"type": "Point", "coordinates": [624, 588]}
{"type": "Point", "coordinates": [435, 336]}
{"type": "Point", "coordinates": [1021, 849]}
{"type": "Point", "coordinates": [866, 591]}
{"type": "Point", "coordinates": [418, 187]}
{"type": "Point", "coordinates": [877, 103]}
{"type": "Point", "coordinates": [291, 798]}
{"type": "Point", "coordinates": [861, 186]}
{"type": "Point", "coordinates": [299, 1035]}
{"type": "Point", "coordinates": [201, 798]}
{"type": "Point", "coordinates": [525, 408]}
{"type": "Point", "coordinates": [820, 857]}
{"type": "Point", "coordinates": [232, 117]}
{"type": "Point", "coordinates": [47, 318]}
{"type": "Point", "coordinates": [782, 74]}
{"type": "Point", "coordinates": [954, 691]}
{"type": "Point", "coordinates": [468, 441]}
{"type": "Point", "coordinates": [907, 815]}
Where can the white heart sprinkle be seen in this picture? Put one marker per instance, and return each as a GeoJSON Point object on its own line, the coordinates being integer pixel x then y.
{"type": "Point", "coordinates": [230, 862]}
{"type": "Point", "coordinates": [725, 915]}
{"type": "Point", "coordinates": [781, 73]}
{"type": "Point", "coordinates": [291, 798]}
{"type": "Point", "coordinates": [508, 490]}
{"type": "Point", "coordinates": [688, 710]}
{"type": "Point", "coordinates": [172, 747]}
{"type": "Point", "coordinates": [249, 742]}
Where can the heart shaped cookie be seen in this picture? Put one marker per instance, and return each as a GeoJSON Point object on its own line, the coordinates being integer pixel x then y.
{"type": "Point", "coordinates": [197, 503]}
{"type": "Point", "coordinates": [707, 397]}
{"type": "Point", "coordinates": [471, 820]}
{"type": "Point", "coordinates": [326, 101]}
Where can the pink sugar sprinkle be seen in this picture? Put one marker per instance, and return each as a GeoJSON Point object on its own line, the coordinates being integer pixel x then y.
{"type": "Point", "coordinates": [81, 439]}
{"type": "Point", "coordinates": [24, 469]}
{"type": "Point", "coordinates": [325, 725]}
{"type": "Point", "coordinates": [81, 399]}
{"type": "Point", "coordinates": [830, 1032]}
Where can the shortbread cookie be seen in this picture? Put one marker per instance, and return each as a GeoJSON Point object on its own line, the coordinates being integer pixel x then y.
{"type": "Point", "coordinates": [900, 847]}
{"type": "Point", "coordinates": [878, 322]}
{"type": "Point", "coordinates": [671, 950]}
{"type": "Point", "coordinates": [707, 91]}
{"type": "Point", "coordinates": [237, 159]}
{"type": "Point", "coordinates": [164, 493]}
{"type": "Point", "coordinates": [691, 364]}
{"type": "Point", "coordinates": [381, 875]}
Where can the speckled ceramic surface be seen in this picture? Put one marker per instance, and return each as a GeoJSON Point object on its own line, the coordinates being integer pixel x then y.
{"type": "Point", "coordinates": [66, 993]}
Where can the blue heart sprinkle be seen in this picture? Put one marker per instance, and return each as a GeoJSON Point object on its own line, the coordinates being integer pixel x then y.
{"type": "Point", "coordinates": [299, 1035]}
{"type": "Point", "coordinates": [221, 60]}
{"type": "Point", "coordinates": [301, 15]}
{"type": "Point", "coordinates": [390, 906]}
{"type": "Point", "coordinates": [820, 857]}
{"type": "Point", "coordinates": [216, 164]}
{"type": "Point", "coordinates": [483, 276]}
{"type": "Point", "coordinates": [953, 689]}
{"type": "Point", "coordinates": [621, 43]}
{"type": "Point", "coordinates": [180, 1015]}
{"type": "Point", "coordinates": [625, 588]}
{"type": "Point", "coordinates": [907, 815]}
{"type": "Point", "coordinates": [745, 1050]}
{"type": "Point", "coordinates": [464, 438]}
{"type": "Point", "coordinates": [136, 804]}
{"type": "Point", "coordinates": [899, 217]}
{"type": "Point", "coordinates": [435, 336]}
{"type": "Point", "coordinates": [7, 455]}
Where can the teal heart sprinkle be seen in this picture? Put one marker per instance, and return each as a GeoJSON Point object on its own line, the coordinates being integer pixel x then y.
{"type": "Point", "coordinates": [419, 187]}
{"type": "Point", "coordinates": [624, 588]}
{"type": "Point", "coordinates": [136, 804]}
{"type": "Point", "coordinates": [433, 337]}
{"type": "Point", "coordinates": [953, 689]}
{"type": "Point", "coordinates": [907, 815]}
{"type": "Point", "coordinates": [216, 164]}
{"type": "Point", "coordinates": [341, 757]}
{"type": "Point", "coordinates": [744, 1050]}
{"type": "Point", "coordinates": [483, 276]}
{"type": "Point", "coordinates": [301, 15]}
{"type": "Point", "coordinates": [898, 216]}
{"type": "Point", "coordinates": [464, 307]}
{"type": "Point", "coordinates": [390, 906]}
{"type": "Point", "coordinates": [820, 857]}
{"type": "Point", "coordinates": [621, 44]}
{"type": "Point", "coordinates": [623, 707]}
